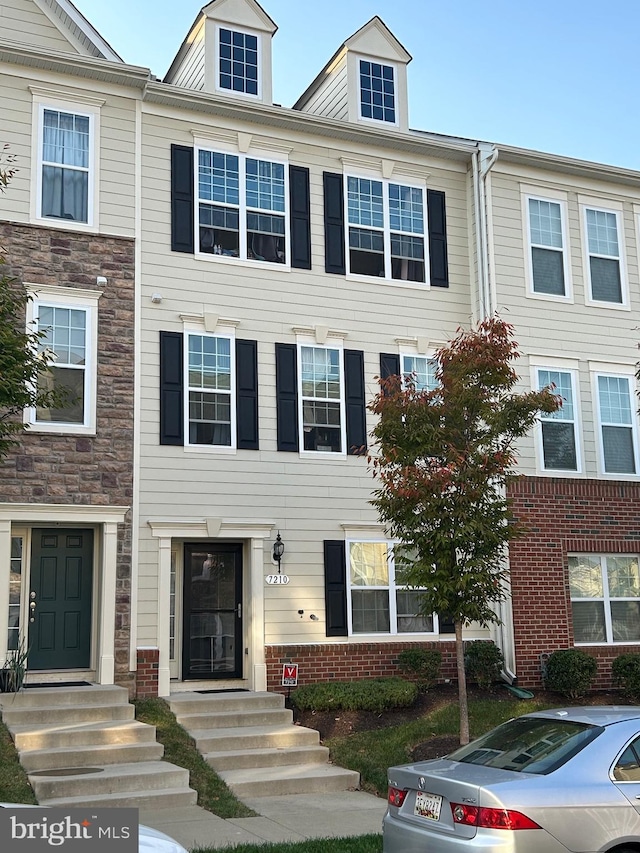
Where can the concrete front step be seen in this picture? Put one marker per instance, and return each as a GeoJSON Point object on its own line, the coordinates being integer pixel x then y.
{"type": "Point", "coordinates": [238, 759]}
{"type": "Point", "coordinates": [205, 703]}
{"type": "Point", "coordinates": [79, 713]}
{"type": "Point", "coordinates": [292, 779]}
{"type": "Point", "coordinates": [227, 719]}
{"type": "Point", "coordinates": [140, 777]}
{"type": "Point", "coordinates": [109, 732]}
{"type": "Point", "coordinates": [166, 799]}
{"type": "Point", "coordinates": [96, 694]}
{"type": "Point", "coordinates": [91, 755]}
{"type": "Point", "coordinates": [254, 737]}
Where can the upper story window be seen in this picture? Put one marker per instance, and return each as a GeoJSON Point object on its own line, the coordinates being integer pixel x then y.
{"type": "Point", "coordinates": [605, 264]}
{"type": "Point", "coordinates": [321, 399]}
{"type": "Point", "coordinates": [549, 257]}
{"type": "Point", "coordinates": [605, 598]}
{"type": "Point", "coordinates": [68, 323]}
{"type": "Point", "coordinates": [242, 207]}
{"type": "Point", "coordinates": [419, 370]}
{"type": "Point", "coordinates": [210, 385]}
{"type": "Point", "coordinates": [379, 602]}
{"type": "Point", "coordinates": [238, 61]}
{"type": "Point", "coordinates": [559, 430]}
{"type": "Point", "coordinates": [618, 445]}
{"type": "Point", "coordinates": [377, 91]}
{"type": "Point", "coordinates": [386, 223]}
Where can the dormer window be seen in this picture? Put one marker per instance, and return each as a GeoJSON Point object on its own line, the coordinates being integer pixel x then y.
{"type": "Point", "coordinates": [377, 91]}
{"type": "Point", "coordinates": [238, 61]}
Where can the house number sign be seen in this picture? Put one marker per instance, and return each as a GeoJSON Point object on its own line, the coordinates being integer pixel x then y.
{"type": "Point", "coordinates": [276, 580]}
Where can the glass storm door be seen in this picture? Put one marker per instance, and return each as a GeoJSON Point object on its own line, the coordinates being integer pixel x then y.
{"type": "Point", "coordinates": [60, 599]}
{"type": "Point", "coordinates": [212, 646]}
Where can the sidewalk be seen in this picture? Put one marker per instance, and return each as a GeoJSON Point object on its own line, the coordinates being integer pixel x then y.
{"type": "Point", "coordinates": [283, 818]}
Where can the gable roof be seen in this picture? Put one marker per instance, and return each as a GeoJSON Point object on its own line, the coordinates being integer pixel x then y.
{"type": "Point", "coordinates": [77, 29]}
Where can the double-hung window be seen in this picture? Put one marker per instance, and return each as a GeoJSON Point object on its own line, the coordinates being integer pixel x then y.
{"type": "Point", "coordinates": [238, 62]}
{"type": "Point", "coordinates": [242, 207]}
{"type": "Point", "coordinates": [547, 246]}
{"type": "Point", "coordinates": [420, 371]}
{"type": "Point", "coordinates": [379, 603]}
{"type": "Point", "coordinates": [605, 598]}
{"type": "Point", "coordinates": [321, 399]}
{"type": "Point", "coordinates": [67, 324]}
{"type": "Point", "coordinates": [211, 393]}
{"type": "Point", "coordinates": [65, 164]}
{"type": "Point", "coordinates": [377, 91]}
{"type": "Point", "coordinates": [559, 430]}
{"type": "Point", "coordinates": [605, 267]}
{"type": "Point", "coordinates": [618, 436]}
{"type": "Point", "coordinates": [386, 227]}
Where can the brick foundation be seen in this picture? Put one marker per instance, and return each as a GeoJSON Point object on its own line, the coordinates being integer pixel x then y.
{"type": "Point", "coordinates": [147, 673]}
{"type": "Point", "coordinates": [347, 661]}
{"type": "Point", "coordinates": [562, 517]}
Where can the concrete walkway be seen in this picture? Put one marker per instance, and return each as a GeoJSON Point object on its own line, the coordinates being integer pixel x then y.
{"type": "Point", "coordinates": [284, 818]}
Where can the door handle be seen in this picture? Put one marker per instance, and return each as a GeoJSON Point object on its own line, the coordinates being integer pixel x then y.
{"type": "Point", "coordinates": [239, 611]}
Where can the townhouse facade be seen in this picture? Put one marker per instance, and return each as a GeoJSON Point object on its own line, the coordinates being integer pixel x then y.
{"type": "Point", "coordinates": [222, 280]}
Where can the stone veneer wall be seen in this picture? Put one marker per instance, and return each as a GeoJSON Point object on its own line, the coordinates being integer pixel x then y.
{"type": "Point", "coordinates": [72, 469]}
{"type": "Point", "coordinates": [562, 517]}
{"type": "Point", "coordinates": [348, 661]}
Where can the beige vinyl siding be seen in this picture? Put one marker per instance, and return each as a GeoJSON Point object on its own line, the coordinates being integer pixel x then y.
{"type": "Point", "coordinates": [117, 166]}
{"type": "Point", "coordinates": [16, 131]}
{"type": "Point", "coordinates": [556, 328]}
{"type": "Point", "coordinates": [22, 21]}
{"type": "Point", "coordinates": [331, 97]}
{"type": "Point", "coordinates": [190, 73]}
{"type": "Point", "coordinates": [306, 498]}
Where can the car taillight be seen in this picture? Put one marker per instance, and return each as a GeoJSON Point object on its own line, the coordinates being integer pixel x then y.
{"type": "Point", "coordinates": [396, 796]}
{"type": "Point", "coordinates": [491, 818]}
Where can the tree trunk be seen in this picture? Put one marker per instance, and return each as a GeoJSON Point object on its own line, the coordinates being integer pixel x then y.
{"type": "Point", "coordinates": [462, 685]}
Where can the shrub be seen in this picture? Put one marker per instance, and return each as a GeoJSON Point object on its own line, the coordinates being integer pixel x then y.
{"type": "Point", "coordinates": [625, 672]}
{"type": "Point", "coordinates": [570, 672]}
{"type": "Point", "coordinates": [369, 694]}
{"type": "Point", "coordinates": [423, 665]}
{"type": "Point", "coordinates": [483, 662]}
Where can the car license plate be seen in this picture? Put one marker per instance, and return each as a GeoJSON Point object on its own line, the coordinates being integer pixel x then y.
{"type": "Point", "coordinates": [428, 805]}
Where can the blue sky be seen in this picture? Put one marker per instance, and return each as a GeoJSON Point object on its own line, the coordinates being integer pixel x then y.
{"type": "Point", "coordinates": [552, 75]}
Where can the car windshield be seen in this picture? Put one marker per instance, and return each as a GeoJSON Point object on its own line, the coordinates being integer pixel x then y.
{"type": "Point", "coordinates": [530, 745]}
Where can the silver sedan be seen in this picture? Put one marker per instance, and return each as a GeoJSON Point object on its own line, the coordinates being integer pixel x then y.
{"type": "Point", "coordinates": [549, 782]}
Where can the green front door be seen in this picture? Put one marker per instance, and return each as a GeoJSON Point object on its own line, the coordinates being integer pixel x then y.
{"type": "Point", "coordinates": [60, 599]}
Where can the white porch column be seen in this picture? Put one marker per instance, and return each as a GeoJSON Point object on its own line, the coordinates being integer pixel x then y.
{"type": "Point", "coordinates": [164, 613]}
{"type": "Point", "coordinates": [256, 634]}
{"type": "Point", "coordinates": [5, 563]}
{"type": "Point", "coordinates": [105, 663]}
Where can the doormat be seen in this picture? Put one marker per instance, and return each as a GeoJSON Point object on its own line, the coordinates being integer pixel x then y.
{"type": "Point", "coordinates": [231, 690]}
{"type": "Point", "coordinates": [59, 684]}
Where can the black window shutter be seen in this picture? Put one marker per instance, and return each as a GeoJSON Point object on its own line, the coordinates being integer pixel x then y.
{"type": "Point", "coordinates": [181, 198]}
{"type": "Point", "coordinates": [287, 396]}
{"type": "Point", "coordinates": [355, 402]}
{"type": "Point", "coordinates": [334, 253]}
{"type": "Point", "coordinates": [335, 587]}
{"type": "Point", "coordinates": [247, 394]}
{"type": "Point", "coordinates": [171, 389]}
{"type": "Point", "coordinates": [438, 262]}
{"type": "Point", "coordinates": [389, 365]}
{"type": "Point", "coordinates": [300, 205]}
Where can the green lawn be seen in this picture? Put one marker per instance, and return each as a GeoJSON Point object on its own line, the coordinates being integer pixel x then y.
{"type": "Point", "coordinates": [361, 844]}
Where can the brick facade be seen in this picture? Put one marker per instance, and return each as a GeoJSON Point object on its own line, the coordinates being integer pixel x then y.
{"type": "Point", "coordinates": [84, 469]}
{"type": "Point", "coordinates": [562, 517]}
{"type": "Point", "coordinates": [147, 672]}
{"type": "Point", "coordinates": [347, 661]}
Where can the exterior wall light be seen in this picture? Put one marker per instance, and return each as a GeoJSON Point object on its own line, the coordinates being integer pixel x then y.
{"type": "Point", "coordinates": [278, 551]}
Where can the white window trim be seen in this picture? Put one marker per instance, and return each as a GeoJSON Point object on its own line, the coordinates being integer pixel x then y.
{"type": "Point", "coordinates": [335, 344]}
{"type": "Point", "coordinates": [572, 369]}
{"type": "Point", "coordinates": [399, 180]}
{"type": "Point", "coordinates": [85, 107]}
{"type": "Point", "coordinates": [210, 328]}
{"type": "Point", "coordinates": [377, 122]}
{"type": "Point", "coordinates": [242, 260]}
{"type": "Point", "coordinates": [230, 92]}
{"type": "Point", "coordinates": [407, 353]}
{"type": "Point", "coordinates": [606, 599]}
{"type": "Point", "coordinates": [391, 588]}
{"type": "Point", "coordinates": [561, 200]}
{"type": "Point", "coordinates": [617, 371]}
{"type": "Point", "coordinates": [76, 299]}
{"type": "Point", "coordinates": [617, 210]}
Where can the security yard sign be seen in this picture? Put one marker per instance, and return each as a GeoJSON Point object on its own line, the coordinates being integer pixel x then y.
{"type": "Point", "coordinates": [289, 674]}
